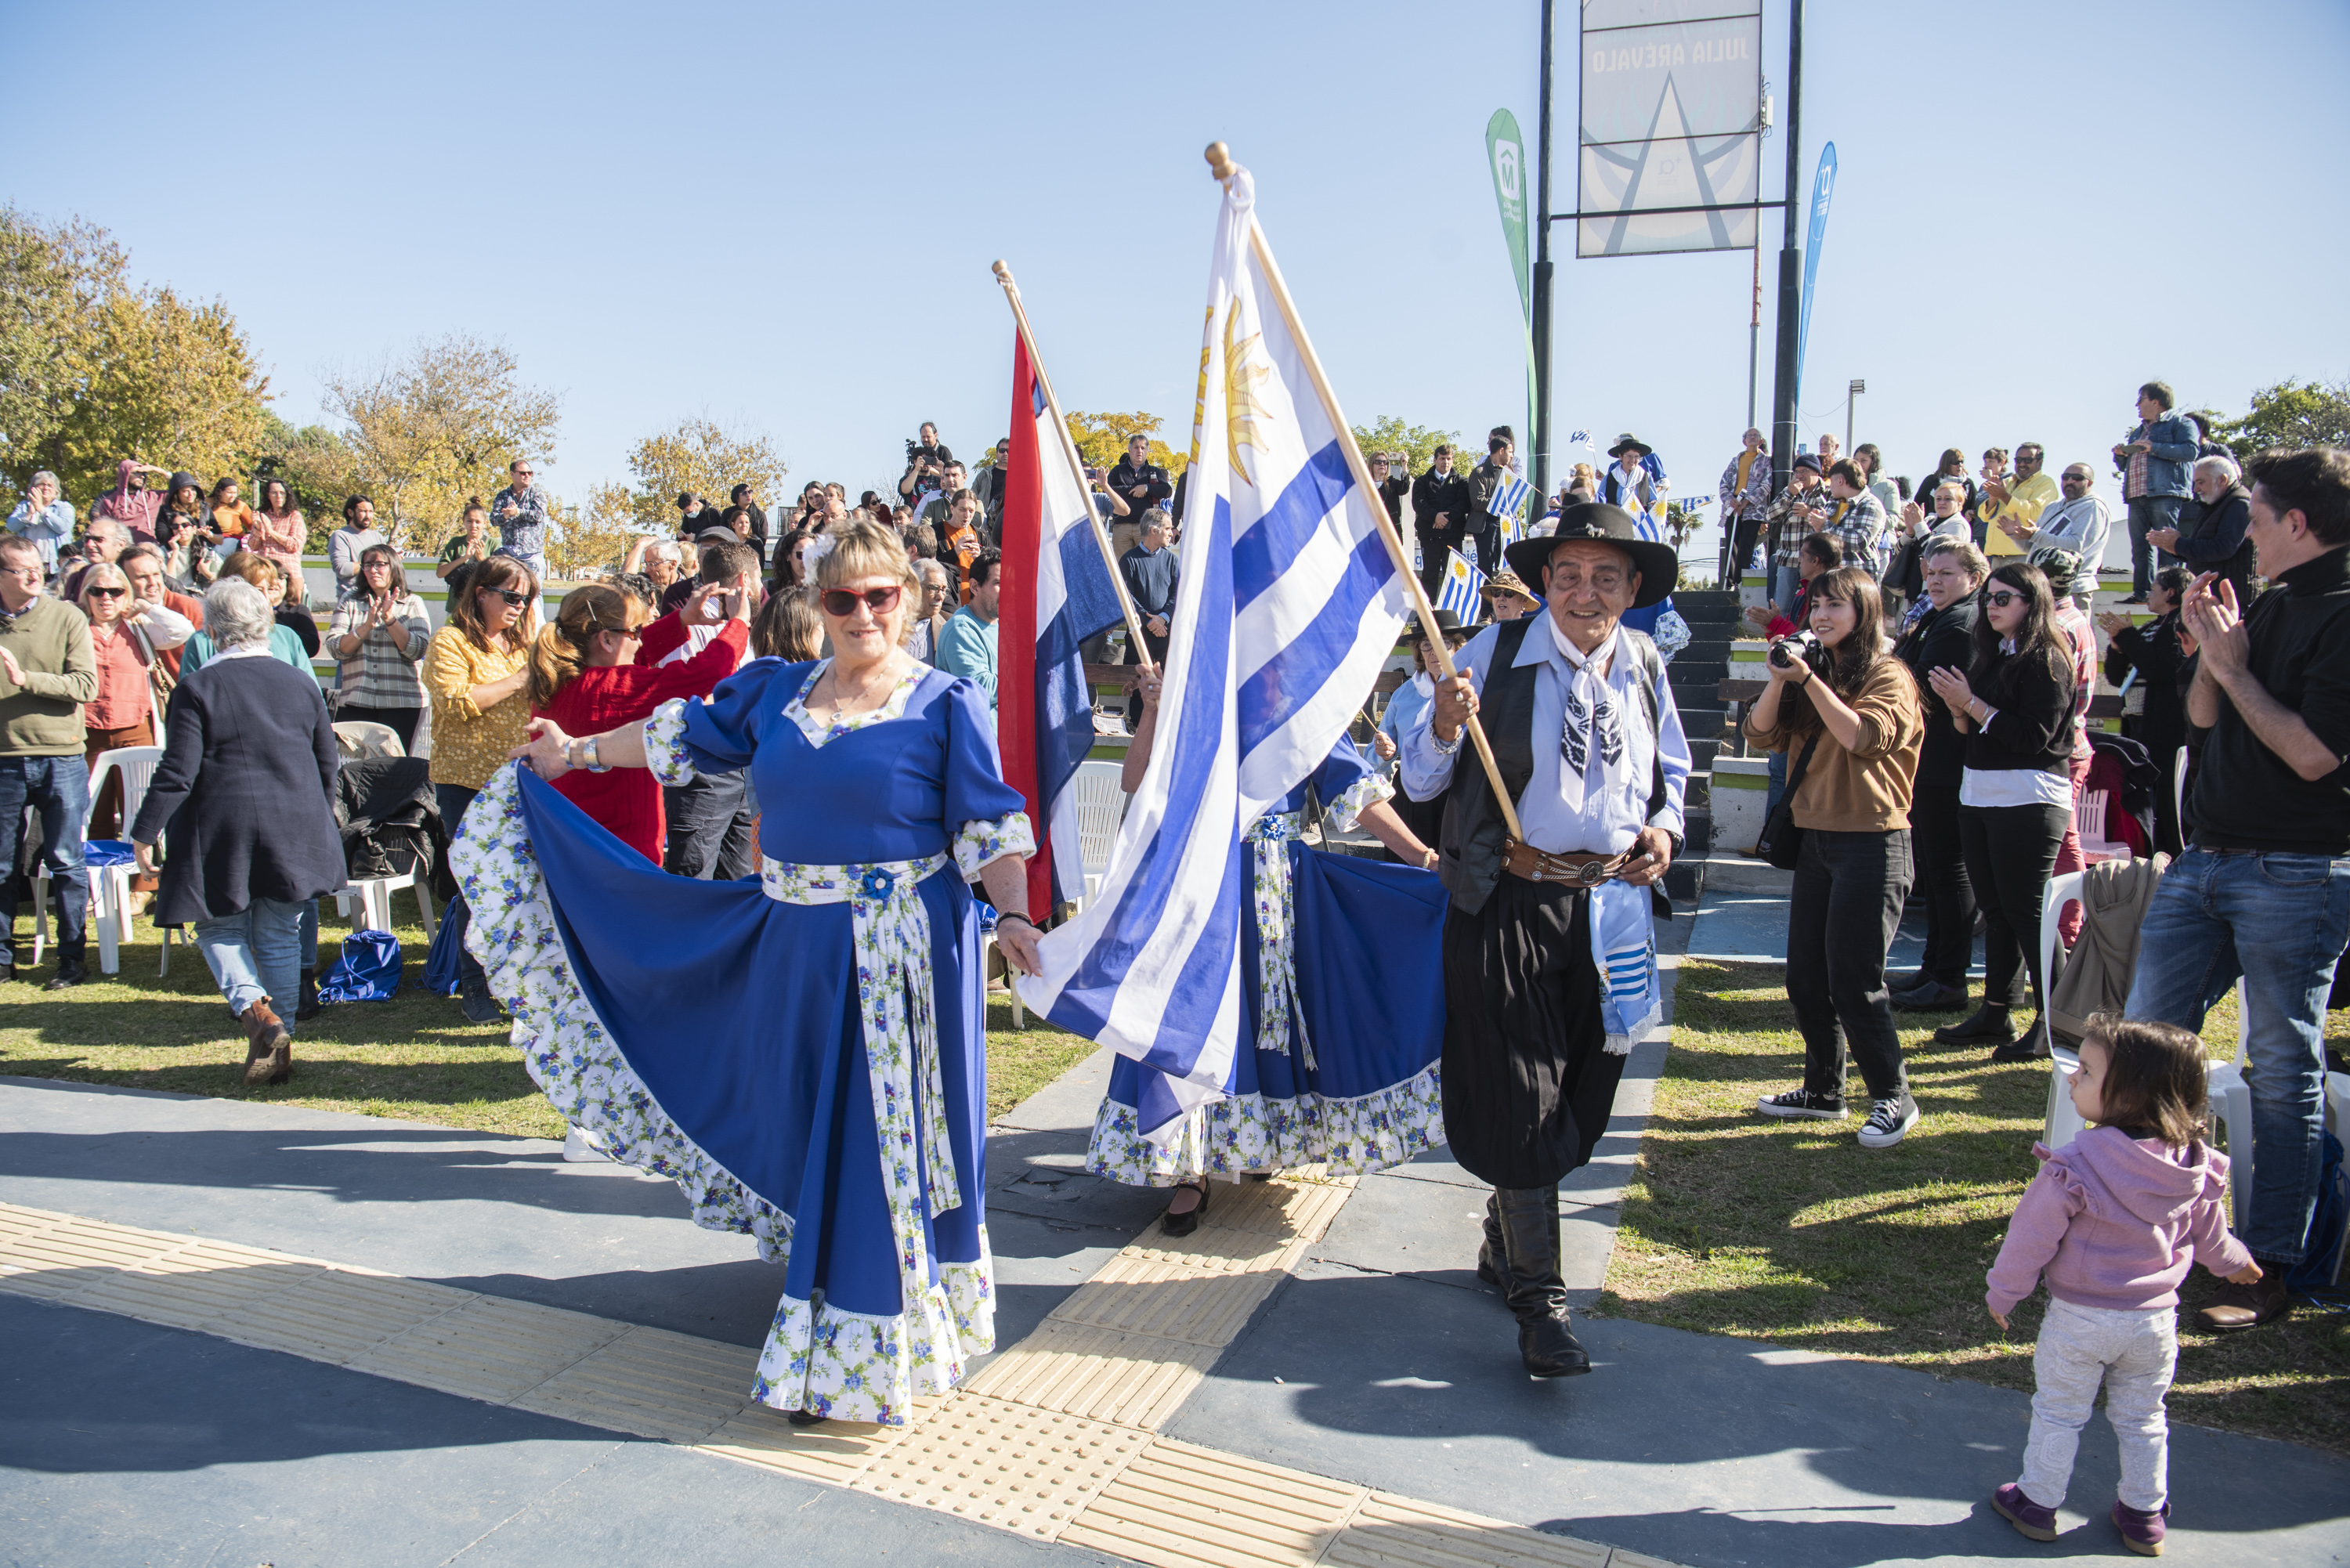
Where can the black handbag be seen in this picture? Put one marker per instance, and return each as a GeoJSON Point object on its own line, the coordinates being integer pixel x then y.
{"type": "Point", "coordinates": [1782, 840]}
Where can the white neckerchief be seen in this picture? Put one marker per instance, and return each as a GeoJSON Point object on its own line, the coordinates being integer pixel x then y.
{"type": "Point", "coordinates": [1424, 684]}
{"type": "Point", "coordinates": [1591, 740]}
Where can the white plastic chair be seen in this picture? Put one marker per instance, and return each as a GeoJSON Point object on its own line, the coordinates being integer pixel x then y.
{"type": "Point", "coordinates": [110, 886]}
{"type": "Point", "coordinates": [374, 896]}
{"type": "Point", "coordinates": [2063, 1123]}
{"type": "Point", "coordinates": [2229, 1107]}
{"type": "Point", "coordinates": [993, 963]}
{"type": "Point", "coordinates": [2089, 825]}
{"type": "Point", "coordinates": [2178, 788]}
{"type": "Point", "coordinates": [365, 738]}
{"type": "Point", "coordinates": [1101, 806]}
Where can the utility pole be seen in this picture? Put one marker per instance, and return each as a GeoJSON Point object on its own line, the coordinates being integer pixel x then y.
{"type": "Point", "coordinates": [1754, 335]}
{"type": "Point", "coordinates": [1539, 437]}
{"type": "Point", "coordinates": [1851, 398]}
{"type": "Point", "coordinates": [1790, 264]}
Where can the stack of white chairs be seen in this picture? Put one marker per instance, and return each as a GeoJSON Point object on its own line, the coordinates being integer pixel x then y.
{"type": "Point", "coordinates": [110, 886]}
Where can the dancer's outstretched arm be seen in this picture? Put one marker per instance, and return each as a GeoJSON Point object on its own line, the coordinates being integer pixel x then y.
{"type": "Point", "coordinates": [551, 753]}
{"type": "Point", "coordinates": [1384, 825]}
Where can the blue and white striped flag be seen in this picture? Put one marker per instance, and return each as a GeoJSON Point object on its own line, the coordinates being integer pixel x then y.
{"type": "Point", "coordinates": [1462, 583]}
{"type": "Point", "coordinates": [1509, 500]}
{"type": "Point", "coordinates": [1579, 437]}
{"type": "Point", "coordinates": [1289, 603]}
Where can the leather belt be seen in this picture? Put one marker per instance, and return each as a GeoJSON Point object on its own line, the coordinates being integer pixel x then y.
{"type": "Point", "coordinates": [1575, 870]}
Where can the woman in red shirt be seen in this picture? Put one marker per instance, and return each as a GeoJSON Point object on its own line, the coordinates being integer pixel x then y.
{"type": "Point", "coordinates": [597, 665]}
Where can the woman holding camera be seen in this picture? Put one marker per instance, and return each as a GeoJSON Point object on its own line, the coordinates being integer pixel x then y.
{"type": "Point", "coordinates": [2015, 794]}
{"type": "Point", "coordinates": [1852, 709]}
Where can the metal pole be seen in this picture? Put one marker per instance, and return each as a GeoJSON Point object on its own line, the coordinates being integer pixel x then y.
{"type": "Point", "coordinates": [1851, 401]}
{"type": "Point", "coordinates": [1791, 269]}
{"type": "Point", "coordinates": [1539, 437]}
{"type": "Point", "coordinates": [1755, 334]}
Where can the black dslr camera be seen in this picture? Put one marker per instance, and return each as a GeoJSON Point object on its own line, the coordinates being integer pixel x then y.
{"type": "Point", "coordinates": [1802, 648]}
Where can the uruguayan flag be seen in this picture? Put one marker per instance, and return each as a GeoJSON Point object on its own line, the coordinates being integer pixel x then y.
{"type": "Point", "coordinates": [1509, 500]}
{"type": "Point", "coordinates": [1462, 583]}
{"type": "Point", "coordinates": [1578, 437]}
{"type": "Point", "coordinates": [1289, 604]}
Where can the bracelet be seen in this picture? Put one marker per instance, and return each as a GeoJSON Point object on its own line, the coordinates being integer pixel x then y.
{"type": "Point", "coordinates": [1446, 748]}
{"type": "Point", "coordinates": [1003, 915]}
{"type": "Point", "coordinates": [594, 754]}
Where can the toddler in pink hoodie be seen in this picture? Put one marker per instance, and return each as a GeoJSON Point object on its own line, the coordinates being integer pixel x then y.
{"type": "Point", "coordinates": [2114, 1220]}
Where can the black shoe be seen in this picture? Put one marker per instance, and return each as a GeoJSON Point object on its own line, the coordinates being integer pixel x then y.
{"type": "Point", "coordinates": [1931, 997]}
{"type": "Point", "coordinates": [2031, 1047]}
{"type": "Point", "coordinates": [1987, 1026]}
{"type": "Point", "coordinates": [1549, 1349]}
{"type": "Point", "coordinates": [1898, 984]}
{"type": "Point", "coordinates": [1805, 1103]}
{"type": "Point", "coordinates": [70, 973]}
{"type": "Point", "coordinates": [306, 1000]}
{"type": "Point", "coordinates": [1183, 1222]}
{"type": "Point", "coordinates": [2133, 599]}
{"type": "Point", "coordinates": [478, 1005]}
{"type": "Point", "coordinates": [804, 1418]}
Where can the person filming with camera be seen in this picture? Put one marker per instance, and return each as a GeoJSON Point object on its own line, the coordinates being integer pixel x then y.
{"type": "Point", "coordinates": [1854, 712]}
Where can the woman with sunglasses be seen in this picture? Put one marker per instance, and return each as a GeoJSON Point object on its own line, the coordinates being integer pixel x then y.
{"type": "Point", "coordinates": [474, 671]}
{"type": "Point", "coordinates": [2015, 795]}
{"type": "Point", "coordinates": [597, 665]}
{"type": "Point", "coordinates": [125, 636]}
{"type": "Point", "coordinates": [804, 1054]}
{"type": "Point", "coordinates": [379, 635]}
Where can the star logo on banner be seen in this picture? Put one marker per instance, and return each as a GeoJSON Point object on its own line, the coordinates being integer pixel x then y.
{"type": "Point", "coordinates": [1242, 410]}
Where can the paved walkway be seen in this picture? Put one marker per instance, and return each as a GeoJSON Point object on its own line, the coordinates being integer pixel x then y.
{"type": "Point", "coordinates": [1312, 1332]}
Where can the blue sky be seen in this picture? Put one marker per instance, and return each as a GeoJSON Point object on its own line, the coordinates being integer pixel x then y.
{"type": "Point", "coordinates": [782, 216]}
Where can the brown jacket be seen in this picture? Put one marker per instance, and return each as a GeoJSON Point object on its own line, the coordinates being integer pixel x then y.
{"type": "Point", "coordinates": [1867, 788]}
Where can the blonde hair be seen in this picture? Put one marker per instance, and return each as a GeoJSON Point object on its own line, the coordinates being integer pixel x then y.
{"type": "Point", "coordinates": [96, 578]}
{"type": "Point", "coordinates": [865, 549]}
{"type": "Point", "coordinates": [259, 570]}
{"type": "Point", "coordinates": [560, 653]}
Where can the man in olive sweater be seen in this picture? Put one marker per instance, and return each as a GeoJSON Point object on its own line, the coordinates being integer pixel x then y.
{"type": "Point", "coordinates": [47, 673]}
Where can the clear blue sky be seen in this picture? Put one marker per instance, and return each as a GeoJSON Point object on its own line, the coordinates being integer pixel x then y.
{"type": "Point", "coordinates": [782, 216]}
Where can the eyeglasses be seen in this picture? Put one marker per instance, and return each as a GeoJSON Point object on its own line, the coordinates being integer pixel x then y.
{"type": "Point", "coordinates": [106, 593]}
{"type": "Point", "coordinates": [512, 599]}
{"type": "Point", "coordinates": [841, 602]}
{"type": "Point", "coordinates": [2004, 598]}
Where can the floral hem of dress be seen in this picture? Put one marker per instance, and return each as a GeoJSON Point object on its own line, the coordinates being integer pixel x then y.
{"type": "Point", "coordinates": [573, 1060]}
{"type": "Point", "coordinates": [1244, 1134]}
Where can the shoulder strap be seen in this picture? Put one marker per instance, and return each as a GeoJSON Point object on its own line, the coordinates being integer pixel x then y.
{"type": "Point", "coordinates": [1802, 765]}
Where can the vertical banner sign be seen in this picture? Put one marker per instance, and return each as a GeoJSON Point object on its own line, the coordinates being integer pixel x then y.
{"type": "Point", "coordinates": [1671, 128]}
{"type": "Point", "coordinates": [1505, 154]}
{"type": "Point", "coordinates": [1823, 187]}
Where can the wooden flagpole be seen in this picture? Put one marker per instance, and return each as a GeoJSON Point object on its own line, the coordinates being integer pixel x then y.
{"type": "Point", "coordinates": [1221, 163]}
{"type": "Point", "coordinates": [1077, 467]}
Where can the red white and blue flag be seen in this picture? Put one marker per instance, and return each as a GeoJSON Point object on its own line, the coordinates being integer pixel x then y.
{"type": "Point", "coordinates": [1057, 593]}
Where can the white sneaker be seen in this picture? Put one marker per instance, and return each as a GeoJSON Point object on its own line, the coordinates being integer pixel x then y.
{"type": "Point", "coordinates": [1888, 1122]}
{"type": "Point", "coordinates": [582, 1147]}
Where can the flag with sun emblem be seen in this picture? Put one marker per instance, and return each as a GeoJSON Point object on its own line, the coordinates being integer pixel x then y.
{"type": "Point", "coordinates": [1289, 603]}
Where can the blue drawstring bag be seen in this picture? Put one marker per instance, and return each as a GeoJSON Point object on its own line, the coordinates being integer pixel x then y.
{"type": "Point", "coordinates": [444, 972]}
{"type": "Point", "coordinates": [97, 853]}
{"type": "Point", "coordinates": [368, 969]}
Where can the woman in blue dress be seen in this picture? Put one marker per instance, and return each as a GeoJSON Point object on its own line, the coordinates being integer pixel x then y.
{"type": "Point", "coordinates": [1343, 1015]}
{"type": "Point", "coordinates": [803, 1054]}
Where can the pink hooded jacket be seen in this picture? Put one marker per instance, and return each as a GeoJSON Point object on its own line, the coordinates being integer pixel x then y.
{"type": "Point", "coordinates": [2116, 1222]}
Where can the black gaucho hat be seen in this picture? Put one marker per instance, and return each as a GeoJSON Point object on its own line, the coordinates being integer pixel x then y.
{"type": "Point", "coordinates": [1658, 564]}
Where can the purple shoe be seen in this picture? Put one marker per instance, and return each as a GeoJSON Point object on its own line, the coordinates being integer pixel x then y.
{"type": "Point", "coordinates": [2142, 1532]}
{"type": "Point", "coordinates": [2028, 1517]}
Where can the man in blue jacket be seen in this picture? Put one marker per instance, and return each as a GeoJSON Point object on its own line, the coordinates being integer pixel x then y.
{"type": "Point", "coordinates": [2153, 462]}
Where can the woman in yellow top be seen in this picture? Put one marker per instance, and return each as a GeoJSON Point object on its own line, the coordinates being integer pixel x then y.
{"type": "Point", "coordinates": [475, 672]}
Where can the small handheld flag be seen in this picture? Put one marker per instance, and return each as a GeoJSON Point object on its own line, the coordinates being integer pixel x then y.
{"type": "Point", "coordinates": [1462, 583]}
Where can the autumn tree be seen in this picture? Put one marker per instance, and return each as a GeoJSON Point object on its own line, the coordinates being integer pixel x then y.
{"type": "Point", "coordinates": [93, 370]}
{"type": "Point", "coordinates": [698, 456]}
{"type": "Point", "coordinates": [439, 425]}
{"type": "Point", "coordinates": [595, 535]}
{"type": "Point", "coordinates": [1101, 439]}
{"type": "Point", "coordinates": [317, 464]}
{"type": "Point", "coordinates": [2292, 413]}
{"type": "Point", "coordinates": [1416, 443]}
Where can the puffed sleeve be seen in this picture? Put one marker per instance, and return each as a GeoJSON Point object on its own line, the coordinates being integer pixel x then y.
{"type": "Point", "coordinates": [987, 816]}
{"type": "Point", "coordinates": [687, 738]}
{"type": "Point", "coordinates": [1344, 784]}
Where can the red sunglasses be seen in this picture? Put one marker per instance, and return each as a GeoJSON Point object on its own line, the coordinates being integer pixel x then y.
{"type": "Point", "coordinates": [841, 602]}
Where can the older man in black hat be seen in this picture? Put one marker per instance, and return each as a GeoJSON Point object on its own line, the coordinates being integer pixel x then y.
{"type": "Point", "coordinates": [1589, 746]}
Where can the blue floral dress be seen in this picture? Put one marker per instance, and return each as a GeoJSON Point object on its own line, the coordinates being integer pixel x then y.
{"type": "Point", "coordinates": [804, 1054]}
{"type": "Point", "coordinates": [1343, 1013]}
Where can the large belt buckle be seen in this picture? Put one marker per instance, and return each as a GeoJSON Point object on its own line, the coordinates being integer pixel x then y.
{"type": "Point", "coordinates": [1591, 873]}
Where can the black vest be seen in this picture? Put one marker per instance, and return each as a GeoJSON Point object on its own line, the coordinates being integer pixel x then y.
{"type": "Point", "coordinates": [1473, 837]}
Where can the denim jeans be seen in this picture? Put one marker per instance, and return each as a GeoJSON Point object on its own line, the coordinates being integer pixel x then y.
{"type": "Point", "coordinates": [255, 954]}
{"type": "Point", "coordinates": [1778, 786]}
{"type": "Point", "coordinates": [1842, 912]}
{"type": "Point", "coordinates": [452, 800]}
{"type": "Point", "coordinates": [1783, 583]}
{"type": "Point", "coordinates": [2294, 913]}
{"type": "Point", "coordinates": [2148, 515]}
{"type": "Point", "coordinates": [59, 788]}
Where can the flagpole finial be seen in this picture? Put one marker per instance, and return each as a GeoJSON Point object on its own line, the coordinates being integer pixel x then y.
{"type": "Point", "coordinates": [1003, 273]}
{"type": "Point", "coordinates": [1220, 160]}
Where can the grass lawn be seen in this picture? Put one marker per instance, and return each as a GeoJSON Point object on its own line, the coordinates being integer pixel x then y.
{"type": "Point", "coordinates": [1791, 1232]}
{"type": "Point", "coordinates": [413, 1057]}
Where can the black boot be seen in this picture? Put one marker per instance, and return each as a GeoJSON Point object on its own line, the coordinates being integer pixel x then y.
{"type": "Point", "coordinates": [1987, 1026]}
{"type": "Point", "coordinates": [305, 1003]}
{"type": "Point", "coordinates": [1547, 1342]}
{"type": "Point", "coordinates": [2031, 1047]}
{"type": "Point", "coordinates": [1493, 1257]}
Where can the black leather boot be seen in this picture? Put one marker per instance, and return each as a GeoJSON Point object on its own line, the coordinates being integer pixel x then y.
{"type": "Point", "coordinates": [1493, 1257]}
{"type": "Point", "coordinates": [1547, 1342]}
{"type": "Point", "coordinates": [306, 1002]}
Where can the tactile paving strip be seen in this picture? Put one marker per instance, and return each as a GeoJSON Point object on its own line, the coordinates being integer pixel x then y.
{"type": "Point", "coordinates": [1011, 1466]}
{"type": "Point", "coordinates": [489, 1349]}
{"type": "Point", "coordinates": [1389, 1531]}
{"type": "Point", "coordinates": [1131, 1380]}
{"type": "Point", "coordinates": [837, 1451]}
{"type": "Point", "coordinates": [652, 1383]}
{"type": "Point", "coordinates": [1180, 1506]}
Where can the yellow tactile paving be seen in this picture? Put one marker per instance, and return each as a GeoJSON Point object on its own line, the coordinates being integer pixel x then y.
{"type": "Point", "coordinates": [1390, 1532]}
{"type": "Point", "coordinates": [336, 1317]}
{"type": "Point", "coordinates": [1181, 1506]}
{"type": "Point", "coordinates": [1008, 1465]}
{"type": "Point", "coordinates": [1131, 1380]}
{"type": "Point", "coordinates": [651, 1383]}
{"type": "Point", "coordinates": [1177, 1304]}
{"type": "Point", "coordinates": [489, 1349]}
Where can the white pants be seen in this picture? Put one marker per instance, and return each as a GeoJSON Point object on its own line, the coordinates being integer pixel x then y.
{"type": "Point", "coordinates": [2134, 1355]}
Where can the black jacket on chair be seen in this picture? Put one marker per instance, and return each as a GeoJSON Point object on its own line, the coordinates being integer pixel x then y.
{"type": "Point", "coordinates": [244, 795]}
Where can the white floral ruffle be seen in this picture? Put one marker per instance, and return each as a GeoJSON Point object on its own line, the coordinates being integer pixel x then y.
{"type": "Point", "coordinates": [981, 843]}
{"type": "Point", "coordinates": [665, 751]}
{"type": "Point", "coordinates": [1262, 1133]}
{"type": "Point", "coordinates": [1364, 793]}
{"type": "Point", "coordinates": [819, 731]}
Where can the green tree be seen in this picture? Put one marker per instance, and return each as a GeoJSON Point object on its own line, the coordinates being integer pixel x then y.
{"type": "Point", "coordinates": [1416, 443]}
{"type": "Point", "coordinates": [698, 456]}
{"type": "Point", "coordinates": [317, 464]}
{"type": "Point", "coordinates": [2292, 413]}
{"type": "Point", "coordinates": [436, 427]}
{"type": "Point", "coordinates": [1101, 439]}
